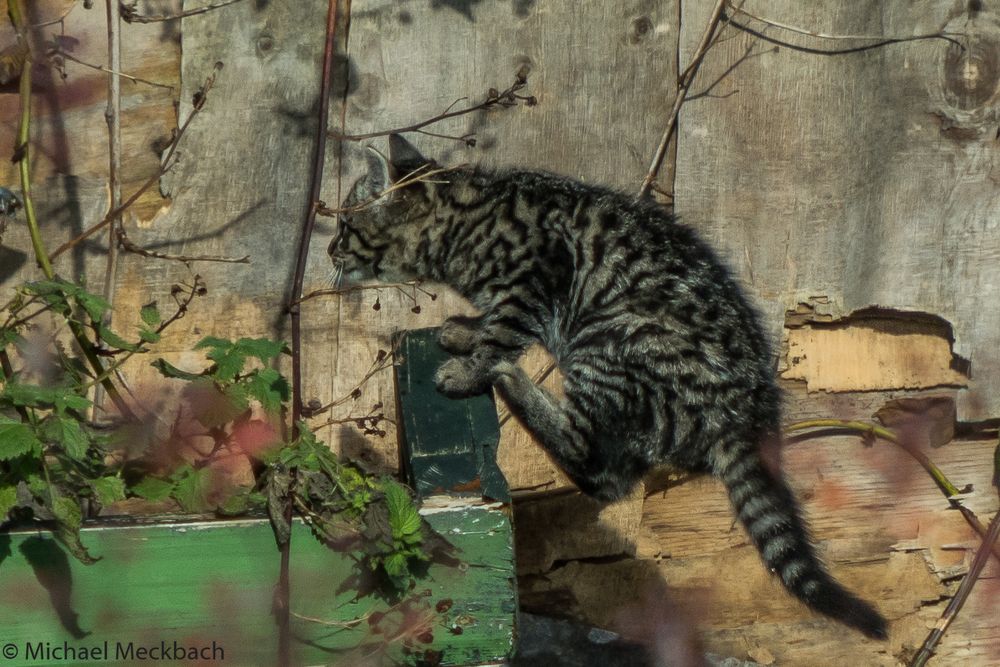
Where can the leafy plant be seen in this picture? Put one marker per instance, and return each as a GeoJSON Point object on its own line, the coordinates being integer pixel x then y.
{"type": "Point", "coordinates": [58, 465]}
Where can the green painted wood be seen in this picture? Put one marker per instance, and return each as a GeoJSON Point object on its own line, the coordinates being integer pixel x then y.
{"type": "Point", "coordinates": [209, 585]}
{"type": "Point", "coordinates": [447, 446]}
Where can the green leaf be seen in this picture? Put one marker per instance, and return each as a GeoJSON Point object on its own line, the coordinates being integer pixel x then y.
{"type": "Point", "coordinates": [68, 433]}
{"type": "Point", "coordinates": [169, 370]}
{"type": "Point", "coordinates": [269, 387]}
{"type": "Point", "coordinates": [152, 488]}
{"type": "Point", "coordinates": [108, 490]}
{"type": "Point", "coordinates": [114, 340]}
{"type": "Point", "coordinates": [8, 337]}
{"type": "Point", "coordinates": [93, 304]}
{"type": "Point", "coordinates": [403, 516]}
{"type": "Point", "coordinates": [228, 359]}
{"type": "Point", "coordinates": [149, 336]}
{"type": "Point", "coordinates": [194, 491]}
{"type": "Point", "coordinates": [17, 439]}
{"type": "Point", "coordinates": [395, 565]}
{"type": "Point", "coordinates": [69, 518]}
{"type": "Point", "coordinates": [67, 511]}
{"type": "Point", "coordinates": [8, 500]}
{"type": "Point", "coordinates": [28, 395]}
{"type": "Point", "coordinates": [67, 400]}
{"type": "Point", "coordinates": [261, 348]}
{"type": "Point", "coordinates": [150, 315]}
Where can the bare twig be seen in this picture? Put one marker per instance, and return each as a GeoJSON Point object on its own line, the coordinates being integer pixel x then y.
{"type": "Point", "coordinates": [507, 98]}
{"type": "Point", "coordinates": [965, 588]}
{"type": "Point", "coordinates": [949, 490]}
{"type": "Point", "coordinates": [414, 285]}
{"type": "Point", "coordinates": [197, 105]}
{"type": "Point", "coordinates": [382, 361]}
{"type": "Point", "coordinates": [22, 154]}
{"type": "Point", "coordinates": [880, 40]}
{"type": "Point", "coordinates": [421, 173]}
{"type": "Point", "coordinates": [113, 117]}
{"type": "Point", "coordinates": [109, 70]}
{"type": "Point", "coordinates": [127, 244]}
{"type": "Point", "coordinates": [683, 85]}
{"type": "Point", "coordinates": [131, 15]}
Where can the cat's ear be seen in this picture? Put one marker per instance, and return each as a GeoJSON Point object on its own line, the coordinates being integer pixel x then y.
{"type": "Point", "coordinates": [404, 158]}
{"type": "Point", "coordinates": [377, 179]}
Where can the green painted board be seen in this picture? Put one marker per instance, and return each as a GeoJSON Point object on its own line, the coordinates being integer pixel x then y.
{"type": "Point", "coordinates": [208, 586]}
{"type": "Point", "coordinates": [448, 446]}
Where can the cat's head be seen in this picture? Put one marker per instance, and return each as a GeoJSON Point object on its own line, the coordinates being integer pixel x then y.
{"type": "Point", "coordinates": [383, 216]}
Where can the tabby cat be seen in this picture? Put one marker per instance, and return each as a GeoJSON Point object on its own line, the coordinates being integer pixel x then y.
{"type": "Point", "coordinates": [663, 358]}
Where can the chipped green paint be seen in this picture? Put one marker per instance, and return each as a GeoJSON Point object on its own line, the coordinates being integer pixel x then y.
{"type": "Point", "coordinates": [209, 586]}
{"type": "Point", "coordinates": [449, 446]}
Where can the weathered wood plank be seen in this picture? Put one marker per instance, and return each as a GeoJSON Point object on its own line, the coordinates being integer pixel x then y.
{"type": "Point", "coordinates": [862, 177]}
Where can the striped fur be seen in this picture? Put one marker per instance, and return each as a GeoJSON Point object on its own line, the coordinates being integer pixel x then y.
{"type": "Point", "coordinates": [664, 360]}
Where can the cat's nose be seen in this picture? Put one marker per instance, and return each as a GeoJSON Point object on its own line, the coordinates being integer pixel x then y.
{"type": "Point", "coordinates": [332, 247]}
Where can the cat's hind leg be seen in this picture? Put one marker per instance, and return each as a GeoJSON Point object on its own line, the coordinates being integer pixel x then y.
{"type": "Point", "coordinates": [600, 466]}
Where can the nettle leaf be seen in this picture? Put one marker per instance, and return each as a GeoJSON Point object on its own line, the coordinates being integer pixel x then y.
{"type": "Point", "coordinates": [227, 357]}
{"type": "Point", "coordinates": [194, 490]}
{"type": "Point", "coordinates": [67, 433]}
{"type": "Point", "coordinates": [395, 565]}
{"type": "Point", "coordinates": [17, 439]}
{"type": "Point", "coordinates": [404, 520]}
{"type": "Point", "coordinates": [93, 304]}
{"type": "Point", "coordinates": [69, 518]}
{"type": "Point", "coordinates": [152, 488]}
{"type": "Point", "coordinates": [269, 387]}
{"type": "Point", "coordinates": [53, 291]}
{"type": "Point", "coordinates": [260, 348]}
{"type": "Point", "coordinates": [114, 340]}
{"type": "Point", "coordinates": [67, 400]}
{"type": "Point", "coordinates": [149, 336]}
{"type": "Point", "coordinates": [9, 337]}
{"type": "Point", "coordinates": [108, 490]}
{"type": "Point", "coordinates": [8, 500]}
{"type": "Point", "coordinates": [169, 370]}
{"type": "Point", "coordinates": [150, 315]}
{"type": "Point", "coordinates": [28, 395]}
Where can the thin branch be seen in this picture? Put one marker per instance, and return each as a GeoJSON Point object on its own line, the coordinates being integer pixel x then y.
{"type": "Point", "coordinates": [127, 244]}
{"type": "Point", "coordinates": [22, 154]}
{"type": "Point", "coordinates": [131, 15]}
{"type": "Point", "coordinates": [505, 99]}
{"type": "Point", "coordinates": [965, 588]}
{"type": "Point", "coordinates": [951, 492]}
{"type": "Point", "coordinates": [421, 173]}
{"type": "Point", "coordinates": [340, 291]}
{"type": "Point", "coordinates": [282, 594]}
{"type": "Point", "coordinates": [113, 116]}
{"type": "Point", "coordinates": [686, 79]}
{"type": "Point", "coordinates": [881, 40]}
{"type": "Point", "coordinates": [198, 104]}
{"type": "Point", "coordinates": [382, 361]}
{"type": "Point", "coordinates": [109, 70]}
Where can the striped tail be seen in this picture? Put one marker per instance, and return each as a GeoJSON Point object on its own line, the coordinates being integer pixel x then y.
{"type": "Point", "coordinates": [766, 506]}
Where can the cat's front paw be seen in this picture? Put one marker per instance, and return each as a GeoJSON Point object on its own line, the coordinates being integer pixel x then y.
{"type": "Point", "coordinates": [458, 336]}
{"type": "Point", "coordinates": [459, 379]}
